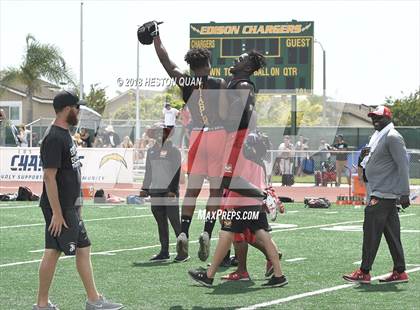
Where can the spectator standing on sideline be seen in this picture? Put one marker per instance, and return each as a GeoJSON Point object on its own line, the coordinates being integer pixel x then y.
{"type": "Point", "coordinates": [111, 139]}
{"type": "Point", "coordinates": [323, 149]}
{"type": "Point", "coordinates": [301, 146]}
{"type": "Point", "coordinates": [78, 140]}
{"type": "Point", "coordinates": [23, 136]}
{"type": "Point", "coordinates": [126, 142]}
{"type": "Point", "coordinates": [161, 183]}
{"type": "Point", "coordinates": [170, 115]}
{"type": "Point", "coordinates": [387, 172]}
{"type": "Point", "coordinates": [341, 159]}
{"type": "Point", "coordinates": [84, 135]}
{"type": "Point", "coordinates": [286, 155]}
{"type": "Point", "coordinates": [3, 123]}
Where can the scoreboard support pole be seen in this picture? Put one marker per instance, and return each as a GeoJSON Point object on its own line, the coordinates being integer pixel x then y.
{"type": "Point", "coordinates": [293, 116]}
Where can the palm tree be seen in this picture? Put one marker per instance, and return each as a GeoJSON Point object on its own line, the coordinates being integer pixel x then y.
{"type": "Point", "coordinates": [40, 61]}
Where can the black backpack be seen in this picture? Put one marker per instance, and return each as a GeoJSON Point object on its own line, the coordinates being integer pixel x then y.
{"type": "Point", "coordinates": [25, 194]}
{"type": "Point", "coordinates": [99, 196]}
{"type": "Point", "coordinates": [318, 203]}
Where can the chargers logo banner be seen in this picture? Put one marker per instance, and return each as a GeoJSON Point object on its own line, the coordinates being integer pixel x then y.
{"type": "Point", "coordinates": [98, 165]}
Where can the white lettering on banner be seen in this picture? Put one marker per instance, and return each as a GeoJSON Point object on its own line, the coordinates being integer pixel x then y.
{"type": "Point", "coordinates": [99, 165]}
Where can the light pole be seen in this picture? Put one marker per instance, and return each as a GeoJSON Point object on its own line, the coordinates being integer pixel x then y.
{"type": "Point", "coordinates": [137, 135]}
{"type": "Point", "coordinates": [81, 52]}
{"type": "Point", "coordinates": [324, 83]}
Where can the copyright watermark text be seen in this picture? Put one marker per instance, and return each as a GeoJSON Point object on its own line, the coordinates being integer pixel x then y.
{"type": "Point", "coordinates": [182, 81]}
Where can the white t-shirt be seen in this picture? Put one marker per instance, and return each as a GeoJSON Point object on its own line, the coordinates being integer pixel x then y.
{"type": "Point", "coordinates": [170, 116]}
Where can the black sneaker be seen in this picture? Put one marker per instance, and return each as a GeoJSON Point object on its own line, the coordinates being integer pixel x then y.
{"type": "Point", "coordinates": [226, 263]}
{"type": "Point", "coordinates": [234, 261]}
{"type": "Point", "coordinates": [200, 276]}
{"type": "Point", "coordinates": [276, 282]}
{"type": "Point", "coordinates": [181, 258]}
{"type": "Point", "coordinates": [161, 257]}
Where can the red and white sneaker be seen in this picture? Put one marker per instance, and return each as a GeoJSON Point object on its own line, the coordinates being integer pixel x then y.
{"type": "Point", "coordinates": [272, 203]}
{"type": "Point", "coordinates": [236, 276]}
{"type": "Point", "coordinates": [281, 207]}
{"type": "Point", "coordinates": [395, 277]}
{"type": "Point", "coordinates": [357, 276]}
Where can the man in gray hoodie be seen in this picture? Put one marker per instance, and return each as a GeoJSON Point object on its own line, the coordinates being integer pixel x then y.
{"type": "Point", "coordinates": [387, 173]}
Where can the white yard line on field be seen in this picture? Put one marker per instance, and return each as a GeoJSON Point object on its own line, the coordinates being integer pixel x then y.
{"type": "Point", "coordinates": [18, 207]}
{"type": "Point", "coordinates": [326, 225]}
{"type": "Point", "coordinates": [88, 220]}
{"type": "Point", "coordinates": [297, 259]}
{"type": "Point", "coordinates": [312, 293]}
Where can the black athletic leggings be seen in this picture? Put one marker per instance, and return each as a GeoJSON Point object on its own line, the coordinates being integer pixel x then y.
{"type": "Point", "coordinates": [164, 208]}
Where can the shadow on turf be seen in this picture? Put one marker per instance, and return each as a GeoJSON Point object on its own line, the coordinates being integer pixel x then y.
{"type": "Point", "coordinates": [152, 264]}
{"type": "Point", "coordinates": [233, 287]}
{"type": "Point", "coordinates": [372, 288]}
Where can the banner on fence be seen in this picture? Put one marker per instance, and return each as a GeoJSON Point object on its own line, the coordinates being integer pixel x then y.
{"type": "Point", "coordinates": [99, 165]}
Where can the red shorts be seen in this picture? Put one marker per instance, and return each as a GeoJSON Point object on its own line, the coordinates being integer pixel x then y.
{"type": "Point", "coordinates": [233, 157]}
{"type": "Point", "coordinates": [254, 174]}
{"type": "Point", "coordinates": [205, 156]}
{"type": "Point", "coordinates": [246, 236]}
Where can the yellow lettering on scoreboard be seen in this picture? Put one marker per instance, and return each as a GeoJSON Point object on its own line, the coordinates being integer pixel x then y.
{"type": "Point", "coordinates": [227, 71]}
{"type": "Point", "coordinates": [262, 72]}
{"type": "Point", "coordinates": [298, 42]}
{"type": "Point", "coordinates": [203, 43]}
{"type": "Point", "coordinates": [290, 71]}
{"type": "Point", "coordinates": [274, 71]}
{"type": "Point", "coordinates": [220, 29]}
{"type": "Point", "coordinates": [215, 71]}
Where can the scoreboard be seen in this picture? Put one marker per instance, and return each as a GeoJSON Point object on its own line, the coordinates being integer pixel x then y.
{"type": "Point", "coordinates": [287, 47]}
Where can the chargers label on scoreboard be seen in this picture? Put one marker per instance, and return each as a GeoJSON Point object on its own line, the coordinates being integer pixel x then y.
{"type": "Point", "coordinates": [287, 47]}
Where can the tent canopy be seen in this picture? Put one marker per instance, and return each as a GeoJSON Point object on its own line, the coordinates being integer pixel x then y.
{"type": "Point", "coordinates": [89, 118]}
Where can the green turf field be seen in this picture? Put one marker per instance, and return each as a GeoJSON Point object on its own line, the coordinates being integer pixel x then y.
{"type": "Point", "coordinates": [125, 237]}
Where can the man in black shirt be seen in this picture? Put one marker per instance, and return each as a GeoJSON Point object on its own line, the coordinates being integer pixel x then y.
{"type": "Point", "coordinates": [161, 183]}
{"type": "Point", "coordinates": [340, 158]}
{"type": "Point", "coordinates": [61, 205]}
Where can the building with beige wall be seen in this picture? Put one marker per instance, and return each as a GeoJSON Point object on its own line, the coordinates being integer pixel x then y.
{"type": "Point", "coordinates": [125, 98]}
{"type": "Point", "coordinates": [14, 101]}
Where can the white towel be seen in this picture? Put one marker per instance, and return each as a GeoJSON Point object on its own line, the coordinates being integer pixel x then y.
{"type": "Point", "coordinates": [374, 140]}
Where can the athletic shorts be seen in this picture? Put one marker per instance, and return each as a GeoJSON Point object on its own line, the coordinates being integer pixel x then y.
{"type": "Point", "coordinates": [234, 159]}
{"type": "Point", "coordinates": [205, 156]}
{"type": "Point", "coordinates": [246, 236]}
{"type": "Point", "coordinates": [237, 224]}
{"type": "Point", "coordinates": [70, 238]}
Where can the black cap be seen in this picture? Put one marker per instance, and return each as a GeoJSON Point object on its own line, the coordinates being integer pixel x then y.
{"type": "Point", "coordinates": [66, 98]}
